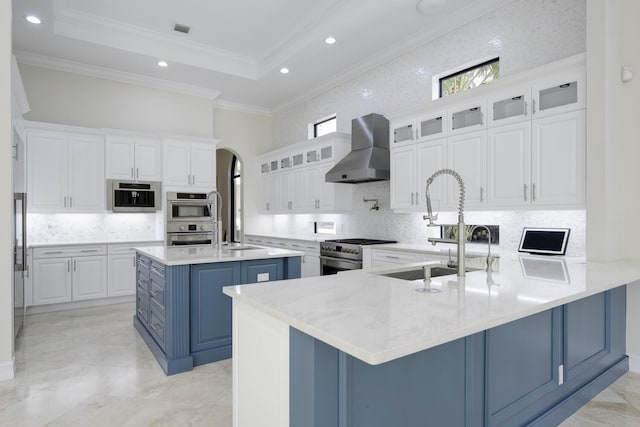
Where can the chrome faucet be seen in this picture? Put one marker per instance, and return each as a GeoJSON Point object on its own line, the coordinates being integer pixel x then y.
{"type": "Point", "coordinates": [489, 257]}
{"type": "Point", "coordinates": [461, 238]}
{"type": "Point", "coordinates": [215, 206]}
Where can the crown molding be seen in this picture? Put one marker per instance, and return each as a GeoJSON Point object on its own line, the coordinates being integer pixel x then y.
{"type": "Point", "coordinates": [107, 32]}
{"type": "Point", "coordinates": [241, 108]}
{"type": "Point", "coordinates": [462, 17]}
{"type": "Point", "coordinates": [110, 74]}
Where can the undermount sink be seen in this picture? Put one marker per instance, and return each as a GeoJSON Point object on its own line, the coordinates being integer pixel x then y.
{"type": "Point", "coordinates": [418, 273]}
{"type": "Point", "coordinates": [240, 247]}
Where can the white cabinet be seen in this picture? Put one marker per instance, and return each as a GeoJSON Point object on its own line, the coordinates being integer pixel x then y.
{"type": "Point", "coordinates": [69, 273]}
{"type": "Point", "coordinates": [424, 128]}
{"type": "Point", "coordinates": [468, 117]}
{"type": "Point", "coordinates": [411, 166]}
{"type": "Point", "coordinates": [467, 156]}
{"type": "Point", "coordinates": [558, 159]}
{"type": "Point", "coordinates": [508, 107]}
{"type": "Point", "coordinates": [133, 158]}
{"type": "Point", "coordinates": [559, 93]}
{"type": "Point", "coordinates": [509, 165]}
{"type": "Point", "coordinates": [311, 259]}
{"type": "Point", "coordinates": [121, 274]}
{"type": "Point", "coordinates": [189, 165]}
{"type": "Point", "coordinates": [293, 179]}
{"type": "Point", "coordinates": [66, 172]}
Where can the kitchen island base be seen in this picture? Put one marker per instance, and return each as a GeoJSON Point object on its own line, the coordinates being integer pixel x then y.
{"type": "Point", "coordinates": [536, 370]}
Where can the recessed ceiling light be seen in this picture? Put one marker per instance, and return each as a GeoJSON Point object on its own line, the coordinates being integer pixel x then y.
{"type": "Point", "coordinates": [33, 19]}
{"type": "Point", "coordinates": [284, 70]}
{"type": "Point", "coordinates": [330, 40]}
{"type": "Point", "coordinates": [163, 64]}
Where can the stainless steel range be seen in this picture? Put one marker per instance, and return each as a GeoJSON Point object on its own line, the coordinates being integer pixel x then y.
{"type": "Point", "coordinates": [344, 254]}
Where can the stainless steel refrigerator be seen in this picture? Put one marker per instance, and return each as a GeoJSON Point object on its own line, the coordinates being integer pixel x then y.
{"type": "Point", "coordinates": [19, 259]}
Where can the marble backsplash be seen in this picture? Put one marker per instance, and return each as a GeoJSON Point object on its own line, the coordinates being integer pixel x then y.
{"type": "Point", "coordinates": [107, 227]}
{"type": "Point", "coordinates": [411, 228]}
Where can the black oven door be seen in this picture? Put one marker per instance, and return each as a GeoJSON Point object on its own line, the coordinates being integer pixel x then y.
{"type": "Point", "coordinates": [184, 239]}
{"type": "Point", "coordinates": [188, 211]}
{"type": "Point", "coordinates": [330, 265]}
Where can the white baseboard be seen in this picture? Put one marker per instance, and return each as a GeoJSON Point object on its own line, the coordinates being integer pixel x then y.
{"type": "Point", "coordinates": [8, 370]}
{"type": "Point", "coordinates": [634, 363]}
{"type": "Point", "coordinates": [38, 309]}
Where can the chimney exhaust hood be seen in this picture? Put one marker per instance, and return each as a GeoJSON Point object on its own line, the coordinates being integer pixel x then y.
{"type": "Point", "coordinates": [369, 157]}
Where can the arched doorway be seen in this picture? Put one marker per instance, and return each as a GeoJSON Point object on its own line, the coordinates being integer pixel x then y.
{"type": "Point", "coordinates": [229, 185]}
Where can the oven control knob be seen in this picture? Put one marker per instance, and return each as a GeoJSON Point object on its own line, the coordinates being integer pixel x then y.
{"type": "Point", "coordinates": [202, 227]}
{"type": "Point", "coordinates": [182, 228]}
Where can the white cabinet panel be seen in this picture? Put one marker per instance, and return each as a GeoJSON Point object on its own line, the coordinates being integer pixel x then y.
{"type": "Point", "coordinates": [403, 177]}
{"type": "Point", "coordinates": [148, 159]}
{"type": "Point", "coordinates": [467, 156]}
{"type": "Point", "coordinates": [509, 107]}
{"type": "Point", "coordinates": [86, 174]}
{"type": "Point", "coordinates": [203, 166]}
{"type": "Point", "coordinates": [51, 281]}
{"type": "Point", "coordinates": [558, 159]}
{"type": "Point", "coordinates": [89, 277]}
{"type": "Point", "coordinates": [509, 165]}
{"type": "Point", "coordinates": [121, 275]}
{"type": "Point", "coordinates": [431, 157]}
{"type": "Point", "coordinates": [189, 165]}
{"type": "Point", "coordinates": [559, 93]}
{"type": "Point", "coordinates": [310, 266]}
{"type": "Point", "coordinates": [120, 157]}
{"type": "Point", "coordinates": [47, 183]}
{"type": "Point", "coordinates": [177, 164]}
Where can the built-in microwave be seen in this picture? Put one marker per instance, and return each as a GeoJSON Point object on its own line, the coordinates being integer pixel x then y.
{"type": "Point", "coordinates": [190, 207]}
{"type": "Point", "coordinates": [132, 196]}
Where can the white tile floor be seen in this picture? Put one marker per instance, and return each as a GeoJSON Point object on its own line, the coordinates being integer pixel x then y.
{"type": "Point", "coordinates": [89, 367]}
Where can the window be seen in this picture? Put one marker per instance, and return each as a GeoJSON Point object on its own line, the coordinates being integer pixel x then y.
{"type": "Point", "coordinates": [469, 78]}
{"type": "Point", "coordinates": [324, 126]}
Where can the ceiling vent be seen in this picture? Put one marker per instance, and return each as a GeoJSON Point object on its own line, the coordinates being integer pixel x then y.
{"type": "Point", "coordinates": [182, 28]}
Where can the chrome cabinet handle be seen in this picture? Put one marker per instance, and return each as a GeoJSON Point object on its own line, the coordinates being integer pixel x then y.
{"type": "Point", "coordinates": [193, 180]}
{"type": "Point", "coordinates": [137, 172]}
{"type": "Point", "coordinates": [525, 192]}
{"type": "Point", "coordinates": [153, 294]}
{"type": "Point", "coordinates": [525, 108]}
{"type": "Point", "coordinates": [70, 201]}
{"type": "Point", "coordinates": [74, 265]}
{"type": "Point", "coordinates": [154, 327]}
{"type": "Point", "coordinates": [89, 250]}
{"type": "Point", "coordinates": [140, 312]}
{"type": "Point", "coordinates": [65, 201]}
{"type": "Point", "coordinates": [417, 198]}
{"type": "Point", "coordinates": [533, 192]}
{"type": "Point", "coordinates": [134, 261]}
{"type": "Point", "coordinates": [189, 179]}
{"type": "Point", "coordinates": [131, 172]}
{"type": "Point", "coordinates": [417, 133]}
{"type": "Point", "coordinates": [412, 196]}
{"type": "Point", "coordinates": [391, 257]}
{"type": "Point", "coordinates": [533, 106]}
{"type": "Point", "coordinates": [52, 252]}
{"type": "Point", "coordinates": [481, 195]}
{"type": "Point", "coordinates": [68, 266]}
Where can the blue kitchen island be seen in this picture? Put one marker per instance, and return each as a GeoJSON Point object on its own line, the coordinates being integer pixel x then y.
{"type": "Point", "coordinates": [526, 345]}
{"type": "Point", "coordinates": [181, 312]}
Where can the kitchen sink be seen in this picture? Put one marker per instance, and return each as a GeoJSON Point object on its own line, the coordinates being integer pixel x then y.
{"type": "Point", "coordinates": [418, 273]}
{"type": "Point", "coordinates": [240, 247]}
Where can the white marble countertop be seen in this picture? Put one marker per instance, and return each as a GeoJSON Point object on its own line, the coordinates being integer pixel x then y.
{"type": "Point", "coordinates": [378, 319]}
{"type": "Point", "coordinates": [204, 254]}
{"type": "Point", "coordinates": [474, 249]}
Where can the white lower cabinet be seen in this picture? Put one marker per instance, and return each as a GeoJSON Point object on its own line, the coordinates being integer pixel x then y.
{"type": "Point", "coordinates": [89, 278]}
{"type": "Point", "coordinates": [122, 275]}
{"type": "Point", "coordinates": [311, 259]}
{"type": "Point", "coordinates": [52, 281]}
{"type": "Point", "coordinates": [310, 266]}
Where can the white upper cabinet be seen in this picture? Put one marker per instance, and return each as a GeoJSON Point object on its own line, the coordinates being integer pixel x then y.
{"type": "Point", "coordinates": [509, 165]}
{"type": "Point", "coordinates": [558, 159]}
{"type": "Point", "coordinates": [403, 132]}
{"type": "Point", "coordinates": [133, 158]}
{"type": "Point", "coordinates": [189, 165]}
{"type": "Point", "coordinates": [559, 93]}
{"type": "Point", "coordinates": [424, 128]}
{"type": "Point", "coordinates": [65, 172]}
{"type": "Point", "coordinates": [509, 107]}
{"type": "Point", "coordinates": [468, 117]}
{"type": "Point", "coordinates": [467, 156]}
{"type": "Point", "coordinates": [403, 177]}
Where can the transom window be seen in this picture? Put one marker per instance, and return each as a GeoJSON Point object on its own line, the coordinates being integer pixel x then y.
{"type": "Point", "coordinates": [324, 126]}
{"type": "Point", "coordinates": [469, 78]}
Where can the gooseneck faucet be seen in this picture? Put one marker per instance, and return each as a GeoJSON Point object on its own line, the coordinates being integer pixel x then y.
{"type": "Point", "coordinates": [215, 206]}
{"type": "Point", "coordinates": [461, 238]}
{"type": "Point", "coordinates": [489, 257]}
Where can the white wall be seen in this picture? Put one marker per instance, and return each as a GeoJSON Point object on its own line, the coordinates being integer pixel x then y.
{"type": "Point", "coordinates": [248, 135]}
{"type": "Point", "coordinates": [524, 34]}
{"type": "Point", "coordinates": [78, 100]}
{"type": "Point", "coordinates": [613, 150]}
{"type": "Point", "coordinates": [6, 197]}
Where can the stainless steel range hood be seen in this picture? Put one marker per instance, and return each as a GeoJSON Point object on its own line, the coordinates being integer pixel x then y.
{"type": "Point", "coordinates": [369, 157]}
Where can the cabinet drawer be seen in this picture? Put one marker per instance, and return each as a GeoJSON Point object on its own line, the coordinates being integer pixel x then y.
{"type": "Point", "coordinates": [396, 256]}
{"type": "Point", "coordinates": [156, 328]}
{"type": "Point", "coordinates": [68, 251]}
{"type": "Point", "coordinates": [157, 269]}
{"type": "Point", "coordinates": [124, 248]}
{"type": "Point", "coordinates": [143, 284]}
{"type": "Point", "coordinates": [156, 293]}
{"type": "Point", "coordinates": [142, 307]}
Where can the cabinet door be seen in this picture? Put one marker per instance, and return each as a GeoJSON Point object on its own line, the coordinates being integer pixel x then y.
{"type": "Point", "coordinates": [210, 308]}
{"type": "Point", "coordinates": [265, 193]}
{"type": "Point", "coordinates": [470, 117]}
{"type": "Point", "coordinates": [89, 277]}
{"type": "Point", "coordinates": [326, 190]}
{"type": "Point", "coordinates": [276, 193]}
{"type": "Point", "coordinates": [402, 133]}
{"type": "Point", "coordinates": [203, 166]}
{"type": "Point", "coordinates": [558, 159]}
{"type": "Point", "coordinates": [120, 157]}
{"type": "Point", "coordinates": [431, 157]}
{"type": "Point", "coordinates": [509, 107]}
{"type": "Point", "coordinates": [148, 155]}
{"type": "Point", "coordinates": [432, 126]}
{"type": "Point", "coordinates": [403, 177]}
{"type": "Point", "coordinates": [310, 266]}
{"type": "Point", "coordinates": [86, 174]}
{"type": "Point", "coordinates": [285, 181]}
{"type": "Point", "coordinates": [467, 156]}
{"type": "Point", "coordinates": [559, 93]}
{"type": "Point", "coordinates": [297, 187]}
{"type": "Point", "coordinates": [176, 165]}
{"type": "Point", "coordinates": [261, 270]}
{"type": "Point", "coordinates": [51, 281]}
{"type": "Point", "coordinates": [47, 183]}
{"type": "Point", "coordinates": [509, 165]}
{"type": "Point", "coordinates": [122, 275]}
